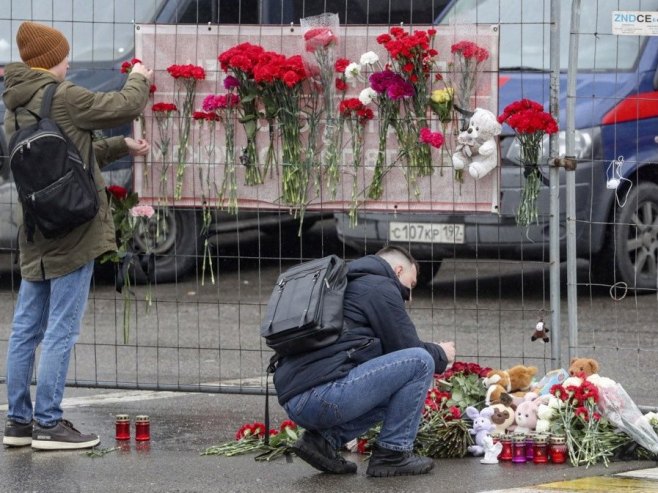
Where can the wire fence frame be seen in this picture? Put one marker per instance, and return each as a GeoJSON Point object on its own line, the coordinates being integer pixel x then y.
{"type": "Point", "coordinates": [167, 355]}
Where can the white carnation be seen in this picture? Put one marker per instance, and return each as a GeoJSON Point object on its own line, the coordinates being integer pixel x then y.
{"type": "Point", "coordinates": [352, 72]}
{"type": "Point", "coordinates": [369, 58]}
{"type": "Point", "coordinates": [366, 96]}
{"type": "Point", "coordinates": [601, 382]}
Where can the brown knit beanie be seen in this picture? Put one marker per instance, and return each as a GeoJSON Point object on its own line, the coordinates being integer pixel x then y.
{"type": "Point", "coordinates": [41, 46]}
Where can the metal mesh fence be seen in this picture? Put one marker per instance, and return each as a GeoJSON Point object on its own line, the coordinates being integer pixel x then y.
{"type": "Point", "coordinates": [484, 284]}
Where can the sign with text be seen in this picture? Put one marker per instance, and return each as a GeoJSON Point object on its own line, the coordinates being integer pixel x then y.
{"type": "Point", "coordinates": [635, 23]}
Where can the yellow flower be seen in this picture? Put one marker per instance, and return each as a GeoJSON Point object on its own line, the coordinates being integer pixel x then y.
{"type": "Point", "coordinates": [442, 96]}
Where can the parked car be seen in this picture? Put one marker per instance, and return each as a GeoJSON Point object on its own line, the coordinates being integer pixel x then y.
{"type": "Point", "coordinates": [617, 230]}
{"type": "Point", "coordinates": [102, 38]}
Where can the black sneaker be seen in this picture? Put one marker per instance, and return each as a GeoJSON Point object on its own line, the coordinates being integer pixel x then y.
{"type": "Point", "coordinates": [17, 434]}
{"type": "Point", "coordinates": [386, 463]}
{"type": "Point", "coordinates": [62, 436]}
{"type": "Point", "coordinates": [314, 449]}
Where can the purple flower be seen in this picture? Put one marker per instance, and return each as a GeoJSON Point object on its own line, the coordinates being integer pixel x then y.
{"type": "Point", "coordinates": [400, 89]}
{"type": "Point", "coordinates": [380, 81]}
{"type": "Point", "coordinates": [231, 82]}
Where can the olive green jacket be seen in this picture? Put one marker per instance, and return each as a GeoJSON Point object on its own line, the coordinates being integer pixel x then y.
{"type": "Point", "coordinates": [79, 112]}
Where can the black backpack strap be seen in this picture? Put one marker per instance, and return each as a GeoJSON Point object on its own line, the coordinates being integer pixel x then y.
{"type": "Point", "coordinates": [271, 368]}
{"type": "Point", "coordinates": [47, 101]}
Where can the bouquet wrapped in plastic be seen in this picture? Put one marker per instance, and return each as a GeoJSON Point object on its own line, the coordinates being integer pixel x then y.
{"type": "Point", "coordinates": [621, 411]}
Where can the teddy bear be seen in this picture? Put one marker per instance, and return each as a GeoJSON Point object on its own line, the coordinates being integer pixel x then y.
{"type": "Point", "coordinates": [588, 366]}
{"type": "Point", "coordinates": [541, 332]}
{"type": "Point", "coordinates": [515, 380]}
{"type": "Point", "coordinates": [526, 413]}
{"type": "Point", "coordinates": [482, 427]}
{"type": "Point", "coordinates": [502, 416]}
{"type": "Point", "coordinates": [476, 145]}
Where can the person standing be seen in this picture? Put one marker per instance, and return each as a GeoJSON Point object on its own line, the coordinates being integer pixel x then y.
{"type": "Point", "coordinates": [56, 273]}
{"type": "Point", "coordinates": [377, 371]}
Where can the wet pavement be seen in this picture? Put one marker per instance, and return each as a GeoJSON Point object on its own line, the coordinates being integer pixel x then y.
{"type": "Point", "coordinates": [184, 424]}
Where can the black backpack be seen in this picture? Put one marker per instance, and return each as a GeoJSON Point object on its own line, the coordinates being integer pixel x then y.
{"type": "Point", "coordinates": [305, 311]}
{"type": "Point", "coordinates": [55, 187]}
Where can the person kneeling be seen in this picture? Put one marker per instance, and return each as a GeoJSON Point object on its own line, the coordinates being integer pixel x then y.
{"type": "Point", "coordinates": [377, 371]}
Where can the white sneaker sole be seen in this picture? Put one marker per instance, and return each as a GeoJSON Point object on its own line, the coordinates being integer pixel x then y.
{"type": "Point", "coordinates": [16, 441]}
{"type": "Point", "coordinates": [54, 445]}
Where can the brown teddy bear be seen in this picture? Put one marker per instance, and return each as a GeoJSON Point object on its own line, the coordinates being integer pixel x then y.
{"type": "Point", "coordinates": [588, 366]}
{"type": "Point", "coordinates": [515, 380]}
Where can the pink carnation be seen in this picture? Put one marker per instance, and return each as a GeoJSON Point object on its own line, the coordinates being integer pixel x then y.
{"type": "Point", "coordinates": [142, 211]}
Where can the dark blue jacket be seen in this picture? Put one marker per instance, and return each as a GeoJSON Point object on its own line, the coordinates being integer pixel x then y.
{"type": "Point", "coordinates": [376, 323]}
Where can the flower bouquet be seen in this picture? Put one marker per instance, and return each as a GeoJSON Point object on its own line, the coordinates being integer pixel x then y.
{"type": "Point", "coordinates": [210, 118]}
{"type": "Point", "coordinates": [530, 123]}
{"type": "Point", "coordinates": [127, 216]}
{"type": "Point", "coordinates": [241, 61]}
{"type": "Point", "coordinates": [320, 42]}
{"type": "Point", "coordinates": [162, 113]}
{"type": "Point", "coordinates": [412, 57]}
{"type": "Point", "coordinates": [441, 103]}
{"type": "Point", "coordinates": [468, 59]}
{"type": "Point", "coordinates": [354, 115]}
{"type": "Point", "coordinates": [590, 436]}
{"type": "Point", "coordinates": [185, 81]}
{"type": "Point", "coordinates": [251, 438]}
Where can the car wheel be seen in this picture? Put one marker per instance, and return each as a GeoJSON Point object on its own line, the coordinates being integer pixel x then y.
{"type": "Point", "coordinates": [634, 249]}
{"type": "Point", "coordinates": [172, 237]}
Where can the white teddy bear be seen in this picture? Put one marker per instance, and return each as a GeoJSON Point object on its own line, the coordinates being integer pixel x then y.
{"type": "Point", "coordinates": [476, 146]}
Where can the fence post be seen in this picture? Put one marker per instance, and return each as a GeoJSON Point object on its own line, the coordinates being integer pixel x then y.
{"type": "Point", "coordinates": [572, 281]}
{"type": "Point", "coordinates": [554, 183]}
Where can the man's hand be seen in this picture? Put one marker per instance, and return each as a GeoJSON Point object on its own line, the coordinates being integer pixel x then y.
{"type": "Point", "coordinates": [448, 348]}
{"type": "Point", "coordinates": [139, 147]}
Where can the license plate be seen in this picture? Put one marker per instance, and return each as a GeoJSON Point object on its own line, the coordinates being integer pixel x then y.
{"type": "Point", "coordinates": [426, 232]}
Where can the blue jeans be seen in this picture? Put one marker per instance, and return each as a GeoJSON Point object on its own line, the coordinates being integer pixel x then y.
{"type": "Point", "coordinates": [47, 313]}
{"type": "Point", "coordinates": [391, 389]}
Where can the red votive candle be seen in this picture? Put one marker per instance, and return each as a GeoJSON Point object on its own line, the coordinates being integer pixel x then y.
{"type": "Point", "coordinates": [540, 455]}
{"type": "Point", "coordinates": [557, 449]}
{"type": "Point", "coordinates": [122, 425]}
{"type": "Point", "coordinates": [506, 452]}
{"type": "Point", "coordinates": [142, 428]}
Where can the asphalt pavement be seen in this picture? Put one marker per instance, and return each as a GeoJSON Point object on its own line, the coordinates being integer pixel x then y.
{"type": "Point", "coordinates": [185, 424]}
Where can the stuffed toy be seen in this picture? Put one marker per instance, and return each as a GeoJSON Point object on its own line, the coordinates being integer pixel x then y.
{"type": "Point", "coordinates": [588, 366]}
{"type": "Point", "coordinates": [516, 381]}
{"type": "Point", "coordinates": [477, 148]}
{"type": "Point", "coordinates": [502, 416]}
{"type": "Point", "coordinates": [526, 413]}
{"type": "Point", "coordinates": [541, 332]}
{"type": "Point", "coordinates": [482, 427]}
{"type": "Point", "coordinates": [491, 451]}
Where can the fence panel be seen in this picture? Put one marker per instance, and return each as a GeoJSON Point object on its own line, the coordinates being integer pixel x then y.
{"type": "Point", "coordinates": [196, 326]}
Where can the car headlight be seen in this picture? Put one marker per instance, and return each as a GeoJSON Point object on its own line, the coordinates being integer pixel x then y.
{"type": "Point", "coordinates": [587, 146]}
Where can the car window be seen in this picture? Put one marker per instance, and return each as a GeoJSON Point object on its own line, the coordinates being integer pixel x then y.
{"type": "Point", "coordinates": [525, 32]}
{"type": "Point", "coordinates": [101, 30]}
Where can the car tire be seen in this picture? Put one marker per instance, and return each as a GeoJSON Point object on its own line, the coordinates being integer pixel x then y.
{"type": "Point", "coordinates": [168, 245]}
{"type": "Point", "coordinates": [630, 254]}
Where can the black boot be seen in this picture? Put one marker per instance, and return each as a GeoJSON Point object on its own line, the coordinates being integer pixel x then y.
{"type": "Point", "coordinates": [384, 463]}
{"type": "Point", "coordinates": [314, 449]}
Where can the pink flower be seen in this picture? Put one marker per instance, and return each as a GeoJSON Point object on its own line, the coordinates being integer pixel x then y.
{"type": "Point", "coordinates": [142, 211]}
{"type": "Point", "coordinates": [320, 37]}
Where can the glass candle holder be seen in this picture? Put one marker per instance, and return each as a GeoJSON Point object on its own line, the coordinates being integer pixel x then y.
{"type": "Point", "coordinates": [518, 449]}
{"type": "Point", "coordinates": [557, 449]}
{"type": "Point", "coordinates": [506, 451]}
{"type": "Point", "coordinates": [122, 425]}
{"type": "Point", "coordinates": [142, 428]}
{"type": "Point", "coordinates": [530, 446]}
{"type": "Point", "coordinates": [540, 453]}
